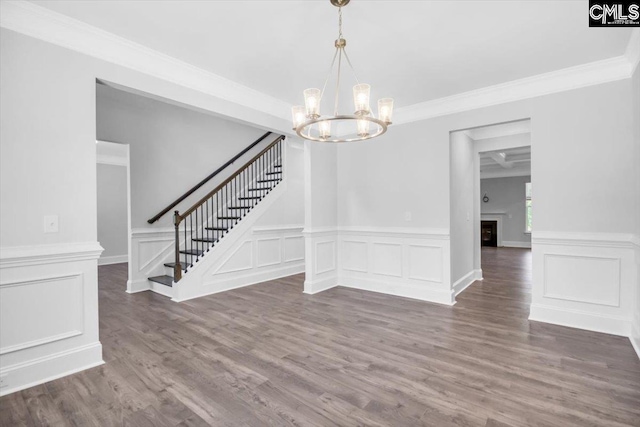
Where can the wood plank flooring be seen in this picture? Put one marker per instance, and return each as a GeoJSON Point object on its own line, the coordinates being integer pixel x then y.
{"type": "Point", "coordinates": [270, 355]}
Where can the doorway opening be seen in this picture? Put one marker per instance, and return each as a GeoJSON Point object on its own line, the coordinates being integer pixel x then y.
{"type": "Point", "coordinates": [491, 201]}
{"type": "Point", "coordinates": [113, 204]}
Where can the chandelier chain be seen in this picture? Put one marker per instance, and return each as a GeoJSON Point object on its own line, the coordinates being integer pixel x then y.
{"type": "Point", "coordinates": [339, 22]}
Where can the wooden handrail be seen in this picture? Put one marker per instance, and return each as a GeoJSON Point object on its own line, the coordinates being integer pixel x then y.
{"type": "Point", "coordinates": [207, 179]}
{"type": "Point", "coordinates": [180, 217]}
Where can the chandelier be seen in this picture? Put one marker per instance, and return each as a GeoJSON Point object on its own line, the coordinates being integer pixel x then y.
{"type": "Point", "coordinates": [359, 126]}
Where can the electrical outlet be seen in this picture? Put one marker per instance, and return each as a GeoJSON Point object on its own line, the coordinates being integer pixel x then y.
{"type": "Point", "coordinates": [3, 380]}
{"type": "Point", "coordinates": [407, 216]}
{"type": "Point", "coordinates": [51, 224]}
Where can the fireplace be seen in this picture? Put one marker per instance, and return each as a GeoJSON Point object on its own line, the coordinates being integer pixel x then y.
{"type": "Point", "coordinates": [489, 233]}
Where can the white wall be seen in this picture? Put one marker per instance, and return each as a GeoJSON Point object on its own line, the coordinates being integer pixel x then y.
{"type": "Point", "coordinates": [462, 235]}
{"type": "Point", "coordinates": [321, 210]}
{"type": "Point", "coordinates": [635, 92]}
{"type": "Point", "coordinates": [112, 213]}
{"type": "Point", "coordinates": [171, 149]}
{"type": "Point", "coordinates": [48, 167]}
{"type": "Point", "coordinates": [583, 178]}
{"type": "Point", "coordinates": [507, 197]}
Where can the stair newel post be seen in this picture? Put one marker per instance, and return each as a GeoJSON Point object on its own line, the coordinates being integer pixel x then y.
{"type": "Point", "coordinates": [177, 268]}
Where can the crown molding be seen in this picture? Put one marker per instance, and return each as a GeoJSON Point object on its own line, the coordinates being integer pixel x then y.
{"type": "Point", "coordinates": [44, 24]}
{"type": "Point", "coordinates": [633, 49]}
{"type": "Point", "coordinates": [590, 74]}
{"type": "Point", "coordinates": [41, 23]}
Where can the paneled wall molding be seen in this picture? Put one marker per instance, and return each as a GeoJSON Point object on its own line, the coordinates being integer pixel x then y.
{"type": "Point", "coordinates": [48, 312]}
{"type": "Point", "coordinates": [20, 256]}
{"type": "Point", "coordinates": [42, 23]}
{"type": "Point", "coordinates": [585, 280]}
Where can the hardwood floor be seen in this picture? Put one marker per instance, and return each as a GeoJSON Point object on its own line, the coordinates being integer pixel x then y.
{"type": "Point", "coordinates": [270, 355]}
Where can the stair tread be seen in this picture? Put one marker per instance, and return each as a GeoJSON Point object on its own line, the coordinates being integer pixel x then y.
{"type": "Point", "coordinates": [277, 166]}
{"type": "Point", "coordinates": [260, 189]}
{"type": "Point", "coordinates": [205, 239]}
{"type": "Point", "coordinates": [173, 264]}
{"type": "Point", "coordinates": [274, 173]}
{"type": "Point", "coordinates": [238, 207]}
{"type": "Point", "coordinates": [249, 198]}
{"type": "Point", "coordinates": [216, 228]}
{"type": "Point", "coordinates": [163, 280]}
{"type": "Point", "coordinates": [195, 252]}
{"type": "Point", "coordinates": [269, 180]}
{"type": "Point", "coordinates": [229, 217]}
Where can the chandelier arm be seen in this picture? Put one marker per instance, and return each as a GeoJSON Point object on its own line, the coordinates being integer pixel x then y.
{"type": "Point", "coordinates": [333, 61]}
{"type": "Point", "coordinates": [335, 111]}
{"type": "Point", "coordinates": [350, 65]}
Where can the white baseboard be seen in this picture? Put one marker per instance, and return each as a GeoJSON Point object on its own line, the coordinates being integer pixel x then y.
{"type": "Point", "coordinates": [161, 289]}
{"type": "Point", "coordinates": [115, 259]}
{"type": "Point", "coordinates": [581, 320]}
{"type": "Point", "coordinates": [236, 281]}
{"type": "Point", "coordinates": [635, 342]}
{"type": "Point", "coordinates": [466, 281]}
{"type": "Point", "coordinates": [134, 286]}
{"type": "Point", "coordinates": [406, 290]}
{"type": "Point", "coordinates": [634, 337]}
{"type": "Point", "coordinates": [513, 244]}
{"type": "Point", "coordinates": [51, 367]}
{"type": "Point", "coordinates": [317, 286]}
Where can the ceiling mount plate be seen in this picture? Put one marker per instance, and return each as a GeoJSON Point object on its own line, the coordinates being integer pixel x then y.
{"type": "Point", "coordinates": [339, 3]}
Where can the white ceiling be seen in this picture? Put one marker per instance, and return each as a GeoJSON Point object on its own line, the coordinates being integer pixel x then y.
{"type": "Point", "coordinates": [503, 163]}
{"type": "Point", "coordinates": [413, 51]}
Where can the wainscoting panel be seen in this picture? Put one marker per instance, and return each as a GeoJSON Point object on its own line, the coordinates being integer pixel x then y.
{"type": "Point", "coordinates": [293, 248]}
{"type": "Point", "coordinates": [150, 249]}
{"type": "Point", "coordinates": [404, 262]}
{"type": "Point", "coordinates": [584, 280]}
{"type": "Point", "coordinates": [386, 259]}
{"type": "Point", "coordinates": [355, 256]}
{"type": "Point", "coordinates": [239, 260]}
{"type": "Point", "coordinates": [43, 322]}
{"type": "Point", "coordinates": [321, 255]}
{"type": "Point", "coordinates": [48, 313]}
{"type": "Point", "coordinates": [424, 263]}
{"type": "Point", "coordinates": [269, 251]}
{"type": "Point", "coordinates": [588, 279]}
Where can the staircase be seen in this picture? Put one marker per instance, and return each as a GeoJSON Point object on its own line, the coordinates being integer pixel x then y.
{"type": "Point", "coordinates": [208, 221]}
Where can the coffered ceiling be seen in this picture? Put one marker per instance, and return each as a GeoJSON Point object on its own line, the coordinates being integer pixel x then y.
{"type": "Point", "coordinates": [414, 51]}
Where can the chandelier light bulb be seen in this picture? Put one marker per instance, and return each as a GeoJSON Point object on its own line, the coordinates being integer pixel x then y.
{"type": "Point", "coordinates": [361, 93]}
{"type": "Point", "coordinates": [312, 102]}
{"type": "Point", "coordinates": [363, 128]}
{"type": "Point", "coordinates": [324, 128]}
{"type": "Point", "coordinates": [385, 109]}
{"type": "Point", "coordinates": [299, 115]}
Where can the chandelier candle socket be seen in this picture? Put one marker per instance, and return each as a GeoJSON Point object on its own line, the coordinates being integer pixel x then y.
{"type": "Point", "coordinates": [358, 126]}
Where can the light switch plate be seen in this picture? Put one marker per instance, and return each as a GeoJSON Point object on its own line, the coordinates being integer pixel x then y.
{"type": "Point", "coordinates": [51, 224]}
